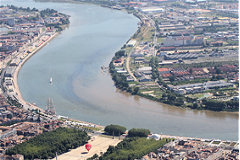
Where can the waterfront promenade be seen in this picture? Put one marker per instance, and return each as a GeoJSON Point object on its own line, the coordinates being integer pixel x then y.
{"type": "Point", "coordinates": [16, 90]}
{"type": "Point", "coordinates": [35, 47]}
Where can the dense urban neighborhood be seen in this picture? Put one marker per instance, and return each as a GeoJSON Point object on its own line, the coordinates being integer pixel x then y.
{"type": "Point", "coordinates": [23, 32]}
{"type": "Point", "coordinates": [184, 53]}
{"type": "Point", "coordinates": [194, 149]}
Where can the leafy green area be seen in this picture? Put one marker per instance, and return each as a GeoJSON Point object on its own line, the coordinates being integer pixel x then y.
{"type": "Point", "coordinates": [119, 79]}
{"type": "Point", "coordinates": [172, 98]}
{"type": "Point", "coordinates": [154, 64]}
{"type": "Point", "coordinates": [133, 148]}
{"type": "Point", "coordinates": [46, 145]}
{"type": "Point", "coordinates": [216, 142]}
{"type": "Point", "coordinates": [138, 132]}
{"type": "Point", "coordinates": [119, 54]}
{"type": "Point", "coordinates": [115, 130]}
{"type": "Point", "coordinates": [53, 13]}
{"type": "Point", "coordinates": [47, 12]}
{"type": "Point", "coordinates": [215, 105]}
{"type": "Point", "coordinates": [22, 9]}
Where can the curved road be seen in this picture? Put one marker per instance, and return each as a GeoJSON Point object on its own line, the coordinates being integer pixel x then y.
{"type": "Point", "coordinates": [154, 44]}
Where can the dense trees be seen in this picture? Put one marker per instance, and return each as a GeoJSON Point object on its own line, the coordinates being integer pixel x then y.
{"type": "Point", "coordinates": [216, 105]}
{"type": "Point", "coordinates": [47, 144]}
{"type": "Point", "coordinates": [53, 13]}
{"type": "Point", "coordinates": [119, 54]}
{"type": "Point", "coordinates": [65, 21]}
{"type": "Point", "coordinates": [232, 105]}
{"type": "Point", "coordinates": [154, 64]}
{"type": "Point", "coordinates": [135, 91]}
{"type": "Point", "coordinates": [138, 132]}
{"type": "Point", "coordinates": [115, 130]}
{"type": "Point", "coordinates": [213, 105]}
{"type": "Point", "coordinates": [133, 148]}
{"type": "Point", "coordinates": [172, 98]}
{"type": "Point", "coordinates": [21, 8]}
{"type": "Point", "coordinates": [47, 12]}
{"type": "Point", "coordinates": [120, 80]}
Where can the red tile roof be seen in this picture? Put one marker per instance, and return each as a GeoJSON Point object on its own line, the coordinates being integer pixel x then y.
{"type": "Point", "coordinates": [163, 69]}
{"type": "Point", "coordinates": [166, 75]}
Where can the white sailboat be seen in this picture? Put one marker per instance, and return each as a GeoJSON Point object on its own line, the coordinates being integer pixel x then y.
{"type": "Point", "coordinates": [51, 81]}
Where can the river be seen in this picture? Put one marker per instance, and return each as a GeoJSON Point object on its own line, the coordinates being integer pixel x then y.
{"type": "Point", "coordinates": [82, 91]}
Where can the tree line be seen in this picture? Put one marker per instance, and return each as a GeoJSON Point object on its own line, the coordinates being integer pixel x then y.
{"type": "Point", "coordinates": [21, 8]}
{"type": "Point", "coordinates": [214, 105]}
{"type": "Point", "coordinates": [117, 130]}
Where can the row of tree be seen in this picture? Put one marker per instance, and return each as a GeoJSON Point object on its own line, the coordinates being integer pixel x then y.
{"type": "Point", "coordinates": [120, 80]}
{"type": "Point", "coordinates": [215, 105]}
{"type": "Point", "coordinates": [47, 12]}
{"type": "Point", "coordinates": [21, 8]}
{"type": "Point", "coordinates": [117, 130]}
{"type": "Point", "coordinates": [154, 63]}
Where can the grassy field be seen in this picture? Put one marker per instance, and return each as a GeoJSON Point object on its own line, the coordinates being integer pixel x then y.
{"type": "Point", "coordinates": [199, 95]}
{"type": "Point", "coordinates": [157, 92]}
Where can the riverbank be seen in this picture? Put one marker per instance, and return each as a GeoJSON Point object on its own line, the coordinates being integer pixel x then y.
{"type": "Point", "coordinates": [15, 75]}
{"type": "Point", "coordinates": [100, 142]}
{"type": "Point", "coordinates": [89, 109]}
{"type": "Point", "coordinates": [124, 75]}
{"type": "Point", "coordinates": [41, 35]}
{"type": "Point", "coordinates": [182, 101]}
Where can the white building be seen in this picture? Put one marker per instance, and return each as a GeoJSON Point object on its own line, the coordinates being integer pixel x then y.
{"type": "Point", "coordinates": [131, 43]}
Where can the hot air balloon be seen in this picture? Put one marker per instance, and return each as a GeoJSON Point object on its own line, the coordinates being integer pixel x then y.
{"type": "Point", "coordinates": [88, 146]}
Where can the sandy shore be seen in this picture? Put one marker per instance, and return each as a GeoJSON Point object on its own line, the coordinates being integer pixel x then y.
{"type": "Point", "coordinates": [99, 144]}
{"type": "Point", "coordinates": [15, 76]}
{"type": "Point", "coordinates": [100, 127]}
